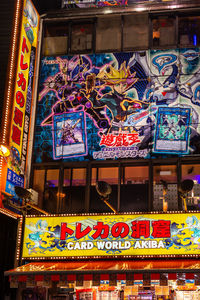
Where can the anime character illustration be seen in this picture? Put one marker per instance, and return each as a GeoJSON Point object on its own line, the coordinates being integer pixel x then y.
{"type": "Point", "coordinates": [31, 21]}
{"type": "Point", "coordinates": [177, 234]}
{"type": "Point", "coordinates": [95, 3]}
{"type": "Point", "coordinates": [120, 105]}
{"type": "Point", "coordinates": [149, 94]}
{"type": "Point", "coordinates": [194, 226]}
{"type": "Point", "coordinates": [68, 133]}
{"type": "Point", "coordinates": [172, 129]}
{"type": "Point", "coordinates": [14, 161]}
{"type": "Point", "coordinates": [72, 87]}
{"type": "Point", "coordinates": [38, 230]}
{"type": "Point", "coordinates": [167, 90]}
{"type": "Point", "coordinates": [100, 3]}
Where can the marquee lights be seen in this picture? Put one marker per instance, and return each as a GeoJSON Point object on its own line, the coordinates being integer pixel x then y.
{"type": "Point", "coordinates": [113, 214]}
{"type": "Point", "coordinates": [7, 110]}
{"type": "Point", "coordinates": [19, 238]}
{"type": "Point", "coordinates": [9, 213]}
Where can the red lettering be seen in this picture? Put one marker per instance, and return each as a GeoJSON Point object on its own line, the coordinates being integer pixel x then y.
{"type": "Point", "coordinates": [102, 230]}
{"type": "Point", "coordinates": [120, 229]}
{"type": "Point", "coordinates": [107, 140]}
{"type": "Point", "coordinates": [16, 135]}
{"type": "Point", "coordinates": [22, 81]}
{"type": "Point", "coordinates": [20, 98]}
{"type": "Point", "coordinates": [65, 230]}
{"type": "Point", "coordinates": [120, 140]}
{"type": "Point", "coordinates": [133, 138]}
{"type": "Point", "coordinates": [84, 232]}
{"type": "Point", "coordinates": [161, 229]}
{"type": "Point", "coordinates": [18, 117]}
{"type": "Point", "coordinates": [23, 65]}
{"type": "Point", "coordinates": [140, 228]}
{"type": "Point", "coordinates": [24, 45]}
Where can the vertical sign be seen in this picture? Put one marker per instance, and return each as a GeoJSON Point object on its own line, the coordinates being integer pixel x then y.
{"type": "Point", "coordinates": [23, 91]}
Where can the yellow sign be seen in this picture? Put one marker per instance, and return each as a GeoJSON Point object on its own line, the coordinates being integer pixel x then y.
{"type": "Point", "coordinates": [112, 235]}
{"type": "Point", "coordinates": [23, 88]}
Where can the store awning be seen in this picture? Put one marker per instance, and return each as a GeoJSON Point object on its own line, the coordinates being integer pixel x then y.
{"type": "Point", "coordinates": [107, 266]}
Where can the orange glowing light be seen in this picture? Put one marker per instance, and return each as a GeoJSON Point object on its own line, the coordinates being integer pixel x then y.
{"type": "Point", "coordinates": [4, 151]}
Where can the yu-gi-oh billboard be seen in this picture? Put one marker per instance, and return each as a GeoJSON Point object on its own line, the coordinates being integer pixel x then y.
{"type": "Point", "coordinates": [118, 105]}
{"type": "Point", "coordinates": [107, 3]}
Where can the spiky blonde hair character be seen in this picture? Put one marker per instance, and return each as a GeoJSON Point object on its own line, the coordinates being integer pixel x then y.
{"type": "Point", "coordinates": [112, 76]}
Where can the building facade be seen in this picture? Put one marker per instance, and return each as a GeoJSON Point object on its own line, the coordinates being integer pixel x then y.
{"type": "Point", "coordinates": [105, 135]}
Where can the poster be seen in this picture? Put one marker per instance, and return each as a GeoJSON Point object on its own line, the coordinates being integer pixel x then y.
{"type": "Point", "coordinates": [129, 105]}
{"type": "Point", "coordinates": [86, 294]}
{"type": "Point", "coordinates": [69, 135]}
{"type": "Point", "coordinates": [172, 130]}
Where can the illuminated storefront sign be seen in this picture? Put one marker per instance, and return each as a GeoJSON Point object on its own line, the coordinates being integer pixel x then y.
{"type": "Point", "coordinates": [112, 235]}
{"type": "Point", "coordinates": [23, 96]}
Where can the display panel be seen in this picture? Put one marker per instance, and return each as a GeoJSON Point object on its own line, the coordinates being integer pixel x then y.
{"type": "Point", "coordinates": [22, 101]}
{"type": "Point", "coordinates": [104, 3]}
{"type": "Point", "coordinates": [112, 235]}
{"type": "Point", "coordinates": [118, 105]}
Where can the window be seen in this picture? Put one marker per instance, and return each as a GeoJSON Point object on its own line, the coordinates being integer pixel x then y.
{"type": "Point", "coordinates": [55, 40]}
{"type": "Point", "coordinates": [108, 33]}
{"type": "Point", "coordinates": [38, 184]}
{"type": "Point", "coordinates": [81, 37]}
{"type": "Point", "coordinates": [51, 195]}
{"type": "Point", "coordinates": [134, 189]}
{"type": "Point", "coordinates": [110, 176]}
{"type": "Point", "coordinates": [192, 172]}
{"type": "Point", "coordinates": [163, 32]}
{"type": "Point", "coordinates": [73, 191]}
{"type": "Point", "coordinates": [165, 187]}
{"type": "Point", "coordinates": [189, 31]}
{"type": "Point", "coordinates": [135, 31]}
{"type": "Point", "coordinates": [116, 32]}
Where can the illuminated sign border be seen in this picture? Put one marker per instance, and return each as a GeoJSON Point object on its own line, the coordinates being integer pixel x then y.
{"type": "Point", "coordinates": [181, 241]}
{"type": "Point", "coordinates": [18, 102]}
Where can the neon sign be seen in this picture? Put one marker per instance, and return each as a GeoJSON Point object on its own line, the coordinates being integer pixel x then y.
{"type": "Point", "coordinates": [112, 235]}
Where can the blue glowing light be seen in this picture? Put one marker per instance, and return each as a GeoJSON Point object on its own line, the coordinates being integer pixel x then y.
{"type": "Point", "coordinates": [194, 39]}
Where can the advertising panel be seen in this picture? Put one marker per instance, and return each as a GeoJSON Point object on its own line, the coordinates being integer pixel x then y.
{"type": "Point", "coordinates": [118, 105]}
{"type": "Point", "coordinates": [104, 3]}
{"type": "Point", "coordinates": [112, 235]}
{"type": "Point", "coordinates": [22, 97]}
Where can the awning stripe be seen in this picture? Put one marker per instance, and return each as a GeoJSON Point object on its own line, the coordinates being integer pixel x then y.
{"type": "Point", "coordinates": [130, 277]}
{"type": "Point", "coordinates": [107, 266]}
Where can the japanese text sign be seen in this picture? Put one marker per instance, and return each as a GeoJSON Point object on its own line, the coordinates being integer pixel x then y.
{"type": "Point", "coordinates": [23, 88]}
{"type": "Point", "coordinates": [112, 235]}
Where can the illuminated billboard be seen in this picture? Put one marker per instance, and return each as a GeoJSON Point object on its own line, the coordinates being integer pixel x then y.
{"type": "Point", "coordinates": [106, 3]}
{"type": "Point", "coordinates": [23, 91]}
{"type": "Point", "coordinates": [118, 105]}
{"type": "Point", "coordinates": [112, 235]}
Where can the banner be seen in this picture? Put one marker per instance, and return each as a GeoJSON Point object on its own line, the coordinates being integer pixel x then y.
{"type": "Point", "coordinates": [23, 95]}
{"type": "Point", "coordinates": [118, 105]}
{"type": "Point", "coordinates": [112, 235]}
{"type": "Point", "coordinates": [104, 3]}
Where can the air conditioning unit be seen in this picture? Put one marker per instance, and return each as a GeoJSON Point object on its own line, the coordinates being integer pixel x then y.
{"type": "Point", "coordinates": [34, 196]}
